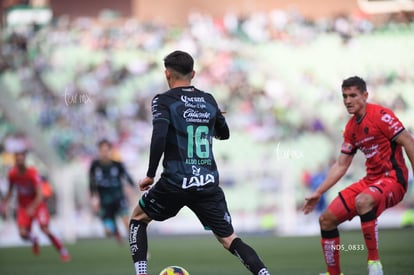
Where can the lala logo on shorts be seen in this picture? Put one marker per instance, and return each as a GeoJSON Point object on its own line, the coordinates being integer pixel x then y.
{"type": "Point", "coordinates": [197, 180]}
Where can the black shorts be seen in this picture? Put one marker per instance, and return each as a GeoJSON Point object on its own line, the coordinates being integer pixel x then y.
{"type": "Point", "coordinates": [165, 200]}
{"type": "Point", "coordinates": [114, 208]}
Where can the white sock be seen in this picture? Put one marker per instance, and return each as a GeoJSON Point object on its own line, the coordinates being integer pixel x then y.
{"type": "Point", "coordinates": [263, 271]}
{"type": "Point", "coordinates": [141, 267]}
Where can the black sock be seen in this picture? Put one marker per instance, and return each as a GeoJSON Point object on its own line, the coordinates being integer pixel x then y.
{"type": "Point", "coordinates": [369, 216]}
{"type": "Point", "coordinates": [330, 234]}
{"type": "Point", "coordinates": [138, 243]}
{"type": "Point", "coordinates": [248, 257]}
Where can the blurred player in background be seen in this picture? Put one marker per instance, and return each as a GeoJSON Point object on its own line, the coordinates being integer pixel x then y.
{"type": "Point", "coordinates": [185, 120]}
{"type": "Point", "coordinates": [3, 208]}
{"type": "Point", "coordinates": [313, 180]}
{"type": "Point", "coordinates": [379, 134]}
{"type": "Point", "coordinates": [48, 194]}
{"type": "Point", "coordinates": [107, 193]}
{"type": "Point", "coordinates": [31, 204]}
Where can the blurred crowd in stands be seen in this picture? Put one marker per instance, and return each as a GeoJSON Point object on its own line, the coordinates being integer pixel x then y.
{"type": "Point", "coordinates": [85, 78]}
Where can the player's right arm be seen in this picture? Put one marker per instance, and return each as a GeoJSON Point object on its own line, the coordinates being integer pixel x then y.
{"type": "Point", "coordinates": [6, 199]}
{"type": "Point", "coordinates": [9, 193]}
{"type": "Point", "coordinates": [157, 147]}
{"type": "Point", "coordinates": [221, 129]}
{"type": "Point", "coordinates": [93, 188]}
{"type": "Point", "coordinates": [336, 172]}
{"type": "Point", "coordinates": [160, 124]}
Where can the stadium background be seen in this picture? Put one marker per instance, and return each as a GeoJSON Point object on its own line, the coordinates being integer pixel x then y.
{"type": "Point", "coordinates": [275, 68]}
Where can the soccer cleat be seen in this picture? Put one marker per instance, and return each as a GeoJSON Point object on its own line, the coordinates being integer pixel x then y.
{"type": "Point", "coordinates": [64, 256]}
{"type": "Point", "coordinates": [327, 273]}
{"type": "Point", "coordinates": [119, 238]}
{"type": "Point", "coordinates": [375, 268]}
{"type": "Point", "coordinates": [35, 247]}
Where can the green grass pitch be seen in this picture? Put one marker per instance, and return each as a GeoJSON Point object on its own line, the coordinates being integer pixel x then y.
{"type": "Point", "coordinates": [202, 255]}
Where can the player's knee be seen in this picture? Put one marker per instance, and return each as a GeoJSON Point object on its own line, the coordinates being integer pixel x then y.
{"type": "Point", "coordinates": [364, 203]}
{"type": "Point", "coordinates": [141, 218]}
{"type": "Point", "coordinates": [139, 215]}
{"type": "Point", "coordinates": [226, 242]}
{"type": "Point", "coordinates": [24, 235]}
{"type": "Point", "coordinates": [327, 221]}
{"type": "Point", "coordinates": [45, 229]}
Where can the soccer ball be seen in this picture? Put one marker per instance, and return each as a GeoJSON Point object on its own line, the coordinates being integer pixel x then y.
{"type": "Point", "coordinates": [174, 270]}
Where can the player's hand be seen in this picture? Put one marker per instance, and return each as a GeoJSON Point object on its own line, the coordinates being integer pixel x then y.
{"type": "Point", "coordinates": [95, 204]}
{"type": "Point", "coordinates": [30, 211]}
{"type": "Point", "coordinates": [146, 183]}
{"type": "Point", "coordinates": [3, 210]}
{"type": "Point", "coordinates": [311, 202]}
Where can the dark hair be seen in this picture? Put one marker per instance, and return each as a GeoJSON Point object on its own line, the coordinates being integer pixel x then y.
{"type": "Point", "coordinates": [21, 152]}
{"type": "Point", "coordinates": [104, 141]}
{"type": "Point", "coordinates": [354, 81]}
{"type": "Point", "coordinates": [180, 62]}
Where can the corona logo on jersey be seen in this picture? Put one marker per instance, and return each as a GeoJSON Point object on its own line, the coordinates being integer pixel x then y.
{"type": "Point", "coordinates": [187, 99]}
{"type": "Point", "coordinates": [197, 180]}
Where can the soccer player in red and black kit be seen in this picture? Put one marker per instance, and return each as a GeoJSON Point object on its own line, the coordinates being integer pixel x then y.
{"type": "Point", "coordinates": [31, 204]}
{"type": "Point", "coordinates": [185, 120]}
{"type": "Point", "coordinates": [379, 134]}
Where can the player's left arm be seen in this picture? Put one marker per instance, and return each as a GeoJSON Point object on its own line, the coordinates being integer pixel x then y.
{"type": "Point", "coordinates": [39, 195]}
{"type": "Point", "coordinates": [221, 128]}
{"type": "Point", "coordinates": [126, 175]}
{"type": "Point", "coordinates": [406, 140]}
{"type": "Point", "coordinates": [394, 130]}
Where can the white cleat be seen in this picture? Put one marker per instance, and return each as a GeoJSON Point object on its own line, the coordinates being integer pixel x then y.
{"type": "Point", "coordinates": [375, 268]}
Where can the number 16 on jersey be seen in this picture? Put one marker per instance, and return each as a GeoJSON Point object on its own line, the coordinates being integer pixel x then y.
{"type": "Point", "coordinates": [198, 138]}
